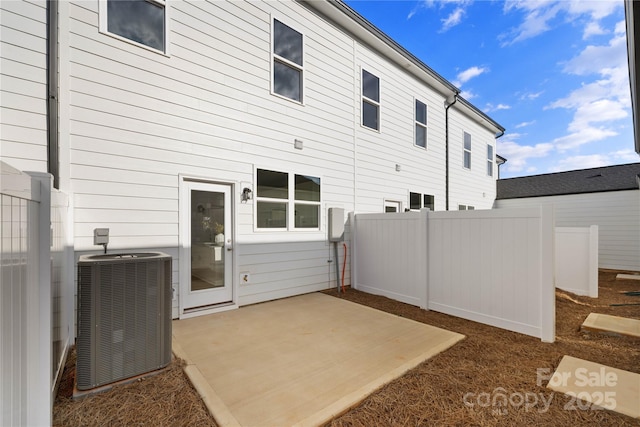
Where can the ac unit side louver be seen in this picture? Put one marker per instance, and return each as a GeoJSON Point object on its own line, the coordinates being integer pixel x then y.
{"type": "Point", "coordinates": [124, 316]}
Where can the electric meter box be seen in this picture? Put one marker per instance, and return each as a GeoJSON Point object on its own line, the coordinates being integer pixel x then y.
{"type": "Point", "coordinates": [336, 224]}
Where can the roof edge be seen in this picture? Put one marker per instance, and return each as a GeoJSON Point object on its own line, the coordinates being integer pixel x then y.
{"type": "Point", "coordinates": [566, 194]}
{"type": "Point", "coordinates": [571, 171]}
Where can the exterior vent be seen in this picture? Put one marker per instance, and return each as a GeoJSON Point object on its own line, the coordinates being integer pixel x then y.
{"type": "Point", "coordinates": [124, 316]}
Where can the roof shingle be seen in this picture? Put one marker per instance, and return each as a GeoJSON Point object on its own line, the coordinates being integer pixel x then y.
{"type": "Point", "coordinates": [595, 180]}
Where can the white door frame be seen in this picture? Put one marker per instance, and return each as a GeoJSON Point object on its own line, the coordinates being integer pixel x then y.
{"type": "Point", "coordinates": [184, 264]}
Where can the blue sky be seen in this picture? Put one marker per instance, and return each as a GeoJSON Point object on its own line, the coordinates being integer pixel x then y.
{"type": "Point", "coordinates": [553, 73]}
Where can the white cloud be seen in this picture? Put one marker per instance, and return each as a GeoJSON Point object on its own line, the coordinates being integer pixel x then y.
{"type": "Point", "coordinates": [452, 20]}
{"type": "Point", "coordinates": [582, 136]}
{"type": "Point", "coordinates": [468, 74]}
{"type": "Point", "coordinates": [518, 155]}
{"type": "Point", "coordinates": [592, 29]}
{"type": "Point", "coordinates": [536, 20]}
{"type": "Point", "coordinates": [599, 104]}
{"type": "Point", "coordinates": [467, 94]}
{"type": "Point", "coordinates": [490, 107]}
{"type": "Point", "coordinates": [580, 162]}
{"type": "Point", "coordinates": [426, 4]}
{"type": "Point", "coordinates": [594, 59]}
{"type": "Point", "coordinates": [595, 160]}
{"type": "Point", "coordinates": [531, 96]}
{"type": "Point", "coordinates": [624, 156]}
{"type": "Point", "coordinates": [541, 15]}
{"type": "Point", "coordinates": [524, 124]}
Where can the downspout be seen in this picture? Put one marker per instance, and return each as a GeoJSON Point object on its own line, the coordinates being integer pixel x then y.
{"type": "Point", "coordinates": [53, 158]}
{"type": "Point", "coordinates": [500, 135]}
{"type": "Point", "coordinates": [446, 144]}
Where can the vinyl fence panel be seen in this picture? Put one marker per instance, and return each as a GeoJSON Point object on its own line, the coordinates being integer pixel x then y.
{"type": "Point", "coordinates": [576, 266]}
{"type": "Point", "coordinates": [489, 266]}
{"type": "Point", "coordinates": [391, 255]}
{"type": "Point", "coordinates": [494, 267]}
{"type": "Point", "coordinates": [25, 299]}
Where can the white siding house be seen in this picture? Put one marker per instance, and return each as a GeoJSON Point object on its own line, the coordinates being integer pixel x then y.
{"type": "Point", "coordinates": [219, 132]}
{"type": "Point", "coordinates": [23, 84]}
{"type": "Point", "coordinates": [608, 197]}
{"type": "Point", "coordinates": [223, 133]}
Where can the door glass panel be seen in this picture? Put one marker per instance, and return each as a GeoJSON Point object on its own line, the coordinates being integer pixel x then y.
{"type": "Point", "coordinates": [207, 240]}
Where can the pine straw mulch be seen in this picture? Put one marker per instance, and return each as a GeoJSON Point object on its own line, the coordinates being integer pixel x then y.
{"type": "Point", "coordinates": [487, 364]}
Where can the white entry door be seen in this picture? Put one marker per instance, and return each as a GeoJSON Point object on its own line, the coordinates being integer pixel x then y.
{"type": "Point", "coordinates": [207, 237]}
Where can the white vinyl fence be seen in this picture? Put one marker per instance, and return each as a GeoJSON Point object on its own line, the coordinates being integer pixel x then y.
{"type": "Point", "coordinates": [576, 260]}
{"type": "Point", "coordinates": [36, 295]}
{"type": "Point", "coordinates": [489, 266]}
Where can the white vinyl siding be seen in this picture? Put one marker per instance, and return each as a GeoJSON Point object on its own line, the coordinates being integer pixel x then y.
{"type": "Point", "coordinates": [141, 120]}
{"type": "Point", "coordinates": [616, 213]}
{"type": "Point", "coordinates": [23, 92]}
{"type": "Point", "coordinates": [378, 153]}
{"type": "Point", "coordinates": [469, 186]}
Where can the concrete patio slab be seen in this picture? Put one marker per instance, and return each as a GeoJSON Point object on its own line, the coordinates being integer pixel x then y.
{"type": "Point", "coordinates": [601, 385]}
{"type": "Point", "coordinates": [301, 360]}
{"type": "Point", "coordinates": [605, 323]}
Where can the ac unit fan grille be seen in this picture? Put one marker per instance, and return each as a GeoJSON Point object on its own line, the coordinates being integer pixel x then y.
{"type": "Point", "coordinates": [128, 333]}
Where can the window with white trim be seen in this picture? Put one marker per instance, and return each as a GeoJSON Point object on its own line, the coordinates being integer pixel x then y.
{"type": "Point", "coordinates": [489, 159]}
{"type": "Point", "coordinates": [392, 206]}
{"type": "Point", "coordinates": [418, 201]}
{"type": "Point", "coordinates": [421, 124]}
{"type": "Point", "coordinates": [287, 61]}
{"type": "Point", "coordinates": [465, 208]}
{"type": "Point", "coordinates": [143, 22]}
{"type": "Point", "coordinates": [287, 201]}
{"type": "Point", "coordinates": [370, 100]}
{"type": "Point", "coordinates": [467, 150]}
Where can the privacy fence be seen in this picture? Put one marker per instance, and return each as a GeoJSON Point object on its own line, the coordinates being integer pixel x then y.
{"type": "Point", "coordinates": [36, 295]}
{"type": "Point", "coordinates": [493, 266]}
{"type": "Point", "coordinates": [576, 260]}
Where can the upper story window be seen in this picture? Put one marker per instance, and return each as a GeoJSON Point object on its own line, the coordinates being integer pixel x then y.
{"type": "Point", "coordinates": [370, 100]}
{"type": "Point", "coordinates": [467, 150]}
{"type": "Point", "coordinates": [489, 160]}
{"type": "Point", "coordinates": [141, 21]}
{"type": "Point", "coordinates": [418, 201]}
{"type": "Point", "coordinates": [287, 201]}
{"type": "Point", "coordinates": [287, 61]}
{"type": "Point", "coordinates": [421, 124]}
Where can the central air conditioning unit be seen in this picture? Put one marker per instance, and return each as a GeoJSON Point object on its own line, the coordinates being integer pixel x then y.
{"type": "Point", "coordinates": [124, 316]}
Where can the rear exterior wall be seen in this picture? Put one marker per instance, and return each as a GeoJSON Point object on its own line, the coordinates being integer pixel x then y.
{"type": "Point", "coordinates": [140, 121]}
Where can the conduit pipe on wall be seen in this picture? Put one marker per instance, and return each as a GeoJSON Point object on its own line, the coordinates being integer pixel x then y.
{"type": "Point", "coordinates": [53, 159]}
{"type": "Point", "coordinates": [447, 104]}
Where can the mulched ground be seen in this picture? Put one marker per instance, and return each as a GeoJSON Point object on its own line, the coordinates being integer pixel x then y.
{"type": "Point", "coordinates": [465, 385]}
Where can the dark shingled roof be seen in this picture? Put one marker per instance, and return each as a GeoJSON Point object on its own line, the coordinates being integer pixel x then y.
{"type": "Point", "coordinates": [595, 180]}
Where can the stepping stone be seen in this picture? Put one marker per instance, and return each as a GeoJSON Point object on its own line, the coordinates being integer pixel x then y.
{"type": "Point", "coordinates": [600, 385]}
{"type": "Point", "coordinates": [628, 276]}
{"type": "Point", "coordinates": [607, 324]}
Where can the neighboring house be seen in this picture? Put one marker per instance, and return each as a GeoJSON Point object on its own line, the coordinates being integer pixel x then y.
{"type": "Point", "coordinates": [221, 132]}
{"type": "Point", "coordinates": [607, 196]}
